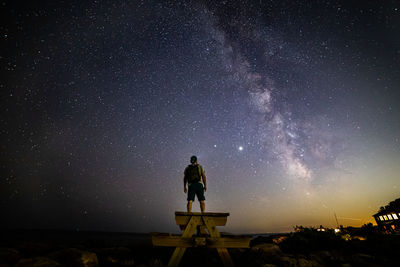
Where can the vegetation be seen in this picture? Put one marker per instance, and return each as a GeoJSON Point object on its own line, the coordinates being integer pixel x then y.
{"type": "Point", "coordinates": [309, 240]}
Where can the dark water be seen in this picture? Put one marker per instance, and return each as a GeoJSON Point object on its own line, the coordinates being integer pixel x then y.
{"type": "Point", "coordinates": [69, 236]}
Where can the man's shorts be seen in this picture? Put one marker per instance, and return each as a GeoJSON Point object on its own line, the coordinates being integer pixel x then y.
{"type": "Point", "coordinates": [196, 189]}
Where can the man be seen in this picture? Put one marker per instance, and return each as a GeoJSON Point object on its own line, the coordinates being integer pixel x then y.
{"type": "Point", "coordinates": [194, 175]}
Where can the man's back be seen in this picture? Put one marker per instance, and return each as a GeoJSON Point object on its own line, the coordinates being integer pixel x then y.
{"type": "Point", "coordinates": [193, 173]}
{"type": "Point", "coordinates": [195, 177]}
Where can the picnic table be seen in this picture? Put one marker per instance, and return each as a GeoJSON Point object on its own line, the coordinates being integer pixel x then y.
{"type": "Point", "coordinates": [207, 236]}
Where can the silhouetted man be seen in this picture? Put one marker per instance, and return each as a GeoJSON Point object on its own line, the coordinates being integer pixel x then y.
{"type": "Point", "coordinates": [194, 175]}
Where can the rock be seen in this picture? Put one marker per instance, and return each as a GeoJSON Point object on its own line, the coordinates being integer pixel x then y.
{"type": "Point", "coordinates": [266, 253]}
{"type": "Point", "coordinates": [322, 257]}
{"type": "Point", "coordinates": [317, 258]}
{"type": "Point", "coordinates": [346, 237]}
{"type": "Point", "coordinates": [155, 263]}
{"type": "Point", "coordinates": [89, 259]}
{"type": "Point", "coordinates": [120, 262]}
{"type": "Point", "coordinates": [120, 256]}
{"type": "Point", "coordinates": [32, 249]}
{"type": "Point", "coordinates": [291, 261]}
{"type": "Point", "coordinates": [287, 261]}
{"type": "Point", "coordinates": [9, 256]}
{"type": "Point", "coordinates": [361, 238]}
{"type": "Point", "coordinates": [279, 239]}
{"type": "Point", "coordinates": [260, 240]}
{"type": "Point", "coordinates": [37, 262]}
{"type": "Point", "coordinates": [331, 258]}
{"type": "Point", "coordinates": [325, 254]}
{"type": "Point", "coordinates": [75, 257]}
{"type": "Point", "coordinates": [308, 263]}
{"type": "Point", "coordinates": [268, 249]}
{"type": "Point", "coordinates": [362, 260]}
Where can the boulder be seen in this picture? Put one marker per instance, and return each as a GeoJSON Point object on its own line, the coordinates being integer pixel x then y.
{"type": "Point", "coordinates": [360, 259]}
{"type": "Point", "coordinates": [327, 257]}
{"type": "Point", "coordinates": [120, 256]}
{"type": "Point", "coordinates": [75, 257]}
{"type": "Point", "coordinates": [260, 240]}
{"type": "Point", "coordinates": [317, 258]}
{"type": "Point", "coordinates": [155, 263]}
{"type": "Point", "coordinates": [322, 257]}
{"type": "Point", "coordinates": [37, 262]}
{"type": "Point", "coordinates": [279, 239]}
{"type": "Point", "coordinates": [31, 249]}
{"type": "Point", "coordinates": [287, 261]}
{"type": "Point", "coordinates": [268, 249]}
{"type": "Point", "coordinates": [9, 256]}
{"type": "Point", "coordinates": [301, 262]}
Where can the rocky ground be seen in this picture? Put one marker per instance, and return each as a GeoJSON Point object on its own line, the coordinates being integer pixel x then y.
{"type": "Point", "coordinates": [307, 248]}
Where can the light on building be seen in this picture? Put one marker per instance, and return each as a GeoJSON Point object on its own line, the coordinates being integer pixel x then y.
{"type": "Point", "coordinates": [386, 218]}
{"type": "Point", "coordinates": [390, 217]}
{"type": "Point", "coordinates": [381, 218]}
{"type": "Point", "coordinates": [337, 230]}
{"type": "Point", "coordinates": [395, 216]}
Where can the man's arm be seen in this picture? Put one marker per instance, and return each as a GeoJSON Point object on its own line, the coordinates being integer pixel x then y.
{"type": "Point", "coordinates": [203, 176]}
{"type": "Point", "coordinates": [184, 182]}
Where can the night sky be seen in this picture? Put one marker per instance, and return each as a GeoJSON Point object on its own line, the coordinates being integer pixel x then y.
{"type": "Point", "coordinates": [292, 108]}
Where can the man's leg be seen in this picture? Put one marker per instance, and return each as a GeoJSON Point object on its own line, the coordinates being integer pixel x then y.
{"type": "Point", "coordinates": [202, 206]}
{"type": "Point", "coordinates": [189, 205]}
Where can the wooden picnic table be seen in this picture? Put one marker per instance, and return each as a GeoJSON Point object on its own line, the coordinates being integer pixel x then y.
{"type": "Point", "coordinates": [211, 238]}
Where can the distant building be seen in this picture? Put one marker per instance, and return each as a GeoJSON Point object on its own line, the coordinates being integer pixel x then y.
{"type": "Point", "coordinates": [388, 217]}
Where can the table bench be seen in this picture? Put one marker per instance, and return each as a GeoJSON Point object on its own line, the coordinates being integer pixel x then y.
{"type": "Point", "coordinates": [207, 236]}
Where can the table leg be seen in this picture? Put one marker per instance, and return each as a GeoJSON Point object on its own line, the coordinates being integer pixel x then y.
{"type": "Point", "coordinates": [223, 252]}
{"type": "Point", "coordinates": [179, 251]}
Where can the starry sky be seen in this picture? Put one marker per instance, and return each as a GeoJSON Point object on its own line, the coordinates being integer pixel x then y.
{"type": "Point", "coordinates": [291, 107]}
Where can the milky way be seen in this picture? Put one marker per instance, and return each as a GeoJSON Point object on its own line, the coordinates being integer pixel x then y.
{"type": "Point", "coordinates": [292, 109]}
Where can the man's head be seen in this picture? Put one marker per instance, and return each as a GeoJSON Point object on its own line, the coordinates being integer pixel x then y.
{"type": "Point", "coordinates": [193, 159]}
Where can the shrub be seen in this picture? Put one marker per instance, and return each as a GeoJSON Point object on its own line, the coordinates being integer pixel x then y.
{"type": "Point", "coordinates": [310, 240]}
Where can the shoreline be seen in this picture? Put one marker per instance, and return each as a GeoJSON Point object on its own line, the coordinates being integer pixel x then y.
{"type": "Point", "coordinates": [50, 247]}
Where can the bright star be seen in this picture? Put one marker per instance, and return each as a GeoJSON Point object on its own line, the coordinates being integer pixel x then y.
{"type": "Point", "coordinates": [240, 148]}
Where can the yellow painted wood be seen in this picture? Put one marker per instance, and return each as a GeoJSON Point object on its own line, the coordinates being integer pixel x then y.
{"type": "Point", "coordinates": [165, 240]}
{"type": "Point", "coordinates": [200, 241]}
{"type": "Point", "coordinates": [202, 221]}
{"type": "Point", "coordinates": [228, 242]}
{"type": "Point", "coordinates": [208, 214]}
{"type": "Point", "coordinates": [223, 252]}
{"type": "Point", "coordinates": [211, 226]}
{"type": "Point", "coordinates": [225, 257]}
{"type": "Point", "coordinates": [179, 251]}
{"type": "Point", "coordinates": [176, 257]}
{"type": "Point", "coordinates": [183, 220]}
{"type": "Point", "coordinates": [201, 230]}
